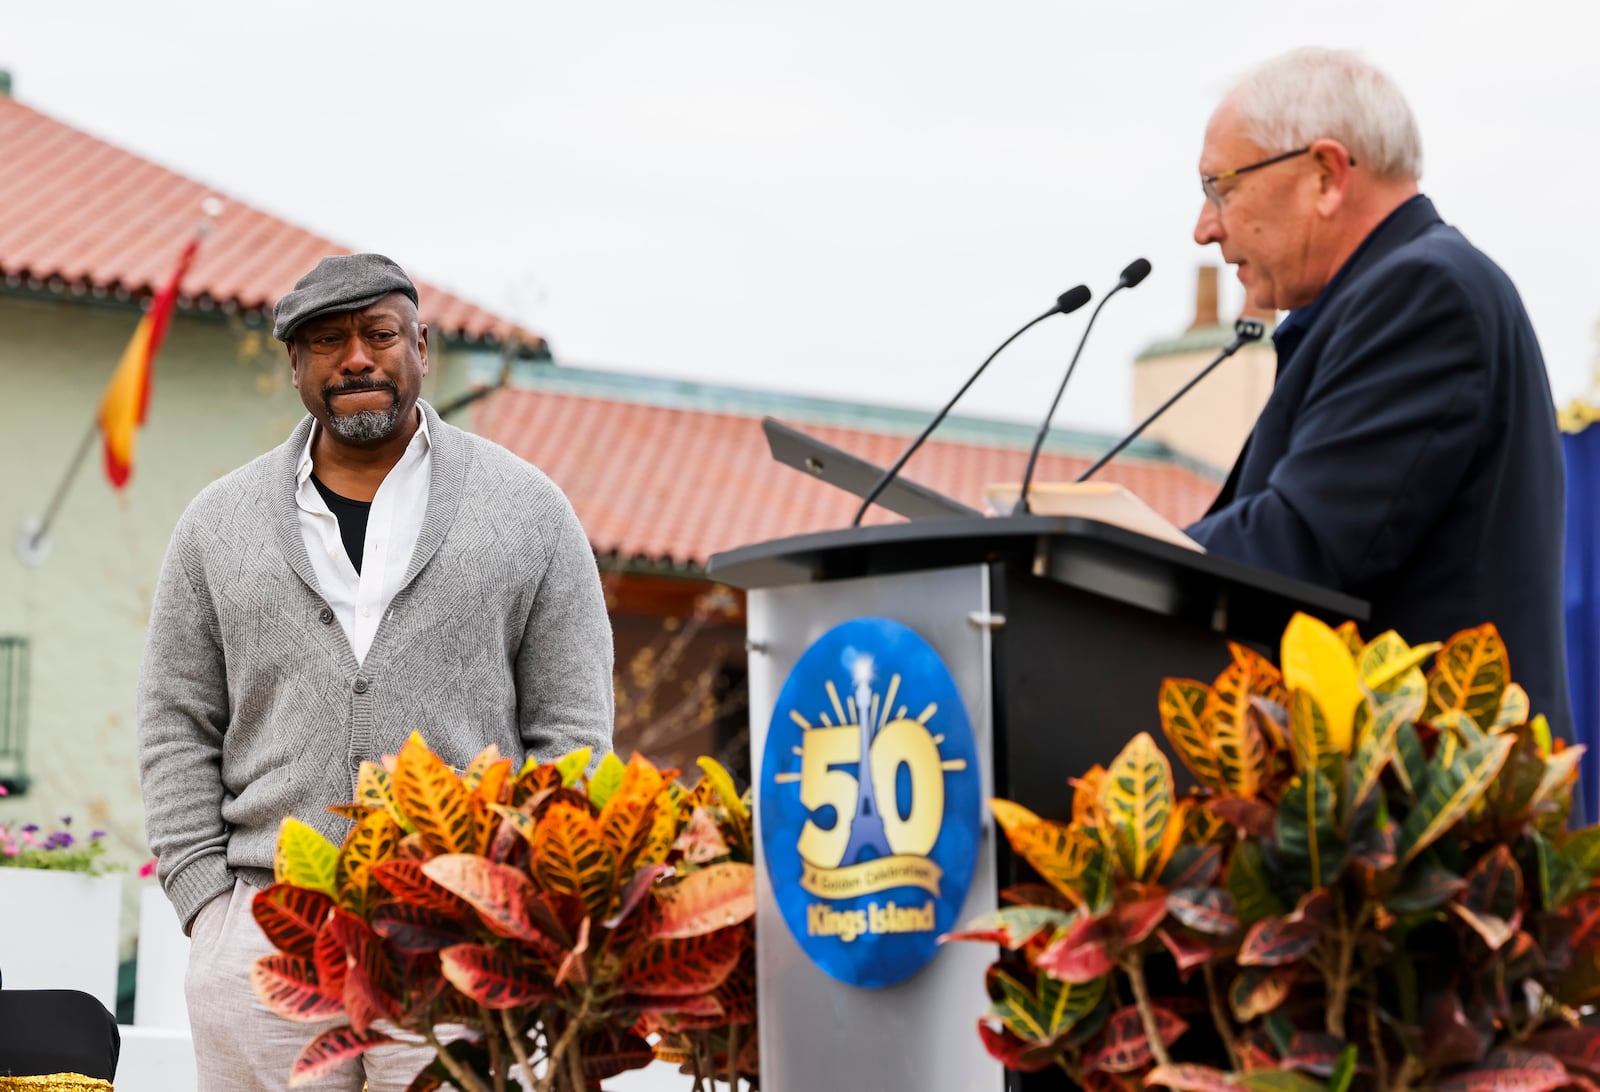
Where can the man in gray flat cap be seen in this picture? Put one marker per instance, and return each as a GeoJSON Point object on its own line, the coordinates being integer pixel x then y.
{"type": "Point", "coordinates": [379, 572]}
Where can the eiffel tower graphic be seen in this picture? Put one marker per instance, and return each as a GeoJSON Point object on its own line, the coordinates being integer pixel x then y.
{"type": "Point", "coordinates": [866, 829]}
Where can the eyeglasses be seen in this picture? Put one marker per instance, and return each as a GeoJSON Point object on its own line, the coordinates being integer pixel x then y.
{"type": "Point", "coordinates": [1208, 182]}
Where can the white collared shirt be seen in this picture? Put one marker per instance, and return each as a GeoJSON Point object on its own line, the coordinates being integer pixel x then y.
{"type": "Point", "coordinates": [394, 523]}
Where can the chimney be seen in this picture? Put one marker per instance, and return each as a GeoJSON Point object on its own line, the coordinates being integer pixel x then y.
{"type": "Point", "coordinates": [1205, 298]}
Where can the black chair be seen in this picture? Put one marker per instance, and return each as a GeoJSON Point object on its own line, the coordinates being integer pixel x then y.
{"type": "Point", "coordinates": [46, 1032]}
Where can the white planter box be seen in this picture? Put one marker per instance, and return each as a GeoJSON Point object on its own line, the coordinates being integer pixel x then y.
{"type": "Point", "coordinates": [58, 931]}
{"type": "Point", "coordinates": [163, 957]}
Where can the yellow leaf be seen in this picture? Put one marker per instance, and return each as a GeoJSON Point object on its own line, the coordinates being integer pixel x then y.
{"type": "Point", "coordinates": [1182, 703]}
{"type": "Point", "coordinates": [722, 781]}
{"type": "Point", "coordinates": [1057, 852]}
{"type": "Point", "coordinates": [1317, 660]}
{"type": "Point", "coordinates": [1471, 675]}
{"type": "Point", "coordinates": [1241, 749]}
{"type": "Point", "coordinates": [1136, 798]}
{"type": "Point", "coordinates": [1351, 636]}
{"type": "Point", "coordinates": [1514, 708]}
{"type": "Point", "coordinates": [305, 858]}
{"type": "Point", "coordinates": [573, 765]}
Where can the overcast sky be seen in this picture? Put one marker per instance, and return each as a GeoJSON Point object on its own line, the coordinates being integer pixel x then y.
{"type": "Point", "coordinates": [853, 199]}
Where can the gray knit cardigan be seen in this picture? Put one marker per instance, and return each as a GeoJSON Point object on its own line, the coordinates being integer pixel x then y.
{"type": "Point", "coordinates": [252, 706]}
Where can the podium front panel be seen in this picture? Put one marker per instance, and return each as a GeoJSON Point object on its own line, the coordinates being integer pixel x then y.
{"type": "Point", "coordinates": [818, 1033]}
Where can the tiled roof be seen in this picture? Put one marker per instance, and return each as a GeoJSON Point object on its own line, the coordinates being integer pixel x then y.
{"type": "Point", "coordinates": [674, 486]}
{"type": "Point", "coordinates": [84, 216]}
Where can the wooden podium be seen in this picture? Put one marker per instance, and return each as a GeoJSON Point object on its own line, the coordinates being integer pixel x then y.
{"type": "Point", "coordinates": [1057, 632]}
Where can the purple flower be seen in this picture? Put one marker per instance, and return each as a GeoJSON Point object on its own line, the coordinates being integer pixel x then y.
{"type": "Point", "coordinates": [95, 835]}
{"type": "Point", "coordinates": [31, 828]}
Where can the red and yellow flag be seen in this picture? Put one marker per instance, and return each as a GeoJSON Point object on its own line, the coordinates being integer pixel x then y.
{"type": "Point", "coordinates": [127, 397]}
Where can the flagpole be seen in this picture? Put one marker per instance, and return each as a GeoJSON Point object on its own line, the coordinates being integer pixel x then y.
{"type": "Point", "coordinates": [33, 542]}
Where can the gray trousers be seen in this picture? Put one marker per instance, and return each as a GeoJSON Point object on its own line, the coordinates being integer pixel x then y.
{"type": "Point", "coordinates": [242, 1046]}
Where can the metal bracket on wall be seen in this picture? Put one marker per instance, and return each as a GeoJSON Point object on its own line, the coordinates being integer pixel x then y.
{"type": "Point", "coordinates": [1219, 613]}
{"type": "Point", "coordinates": [985, 619]}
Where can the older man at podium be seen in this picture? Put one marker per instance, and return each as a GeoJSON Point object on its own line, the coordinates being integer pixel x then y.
{"type": "Point", "coordinates": [1409, 453]}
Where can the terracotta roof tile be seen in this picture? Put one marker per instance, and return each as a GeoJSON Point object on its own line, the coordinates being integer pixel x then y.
{"type": "Point", "coordinates": [80, 212]}
{"type": "Point", "coordinates": [675, 486]}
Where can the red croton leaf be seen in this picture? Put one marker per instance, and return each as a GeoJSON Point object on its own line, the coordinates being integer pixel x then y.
{"type": "Point", "coordinates": [609, 1052]}
{"type": "Point", "coordinates": [1255, 817]}
{"type": "Point", "coordinates": [500, 894]}
{"type": "Point", "coordinates": [1188, 951]}
{"type": "Point", "coordinates": [683, 966]}
{"type": "Point", "coordinates": [1124, 1047]}
{"type": "Point", "coordinates": [332, 1049]}
{"type": "Point", "coordinates": [492, 978]}
{"type": "Point", "coordinates": [1133, 922]}
{"type": "Point", "coordinates": [406, 882]}
{"type": "Point", "coordinates": [371, 985]}
{"type": "Point", "coordinates": [1313, 1052]}
{"type": "Point", "coordinates": [332, 963]}
{"type": "Point", "coordinates": [1508, 1070]}
{"type": "Point", "coordinates": [1576, 1048]}
{"type": "Point", "coordinates": [1274, 941]}
{"type": "Point", "coordinates": [411, 929]}
{"type": "Point", "coordinates": [1204, 909]}
{"type": "Point", "coordinates": [1009, 1050]}
{"type": "Point", "coordinates": [1081, 954]}
{"type": "Point", "coordinates": [288, 986]}
{"type": "Point", "coordinates": [1190, 1078]}
{"type": "Point", "coordinates": [291, 917]}
{"type": "Point", "coordinates": [1449, 1038]}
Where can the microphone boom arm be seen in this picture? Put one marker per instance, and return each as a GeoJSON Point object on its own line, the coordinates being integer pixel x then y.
{"type": "Point", "coordinates": [1244, 332]}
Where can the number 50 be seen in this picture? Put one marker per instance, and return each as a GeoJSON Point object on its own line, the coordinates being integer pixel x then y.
{"type": "Point", "coordinates": [911, 826]}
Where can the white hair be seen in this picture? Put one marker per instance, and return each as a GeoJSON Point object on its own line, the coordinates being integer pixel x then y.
{"type": "Point", "coordinates": [1311, 93]}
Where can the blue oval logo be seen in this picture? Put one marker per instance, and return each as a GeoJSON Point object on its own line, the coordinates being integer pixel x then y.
{"type": "Point", "coordinates": [870, 802]}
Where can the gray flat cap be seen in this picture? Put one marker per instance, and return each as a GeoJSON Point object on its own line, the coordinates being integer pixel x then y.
{"type": "Point", "coordinates": [346, 282]}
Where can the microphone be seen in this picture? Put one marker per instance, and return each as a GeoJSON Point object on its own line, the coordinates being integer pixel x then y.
{"type": "Point", "coordinates": [1066, 303]}
{"type": "Point", "coordinates": [1135, 271]}
{"type": "Point", "coordinates": [1244, 332]}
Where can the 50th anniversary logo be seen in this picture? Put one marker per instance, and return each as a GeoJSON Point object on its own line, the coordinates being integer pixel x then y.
{"type": "Point", "coordinates": [870, 802]}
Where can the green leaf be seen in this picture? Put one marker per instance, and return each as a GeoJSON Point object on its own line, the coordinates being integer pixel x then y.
{"type": "Point", "coordinates": [571, 766]}
{"type": "Point", "coordinates": [1453, 787]}
{"type": "Point", "coordinates": [1426, 885]}
{"type": "Point", "coordinates": [1412, 764]}
{"type": "Point", "coordinates": [605, 780]}
{"type": "Point", "coordinates": [1388, 658]}
{"type": "Point", "coordinates": [1306, 835]}
{"type": "Point", "coordinates": [1378, 724]}
{"type": "Point", "coordinates": [1276, 1080]}
{"type": "Point", "coordinates": [1254, 896]}
{"type": "Point", "coordinates": [1576, 864]}
{"type": "Point", "coordinates": [1344, 1070]}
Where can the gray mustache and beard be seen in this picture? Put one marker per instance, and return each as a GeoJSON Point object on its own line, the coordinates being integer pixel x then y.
{"type": "Point", "coordinates": [364, 426]}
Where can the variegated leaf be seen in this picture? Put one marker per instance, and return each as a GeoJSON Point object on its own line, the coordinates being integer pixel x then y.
{"type": "Point", "coordinates": [1240, 749]}
{"type": "Point", "coordinates": [1454, 785]}
{"type": "Point", "coordinates": [1387, 658]}
{"type": "Point", "coordinates": [704, 901]}
{"type": "Point", "coordinates": [434, 799]}
{"type": "Point", "coordinates": [291, 917]}
{"type": "Point", "coordinates": [1183, 706]}
{"type": "Point", "coordinates": [1515, 709]}
{"type": "Point", "coordinates": [331, 1050]}
{"type": "Point", "coordinates": [374, 840]}
{"type": "Point", "coordinates": [304, 857]}
{"type": "Point", "coordinates": [288, 986]}
{"type": "Point", "coordinates": [493, 978]}
{"type": "Point", "coordinates": [1471, 675]}
{"type": "Point", "coordinates": [569, 857]}
{"type": "Point", "coordinates": [1136, 801]}
{"type": "Point", "coordinates": [1058, 852]}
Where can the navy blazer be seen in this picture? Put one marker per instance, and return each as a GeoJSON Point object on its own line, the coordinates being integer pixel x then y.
{"type": "Point", "coordinates": [1409, 455]}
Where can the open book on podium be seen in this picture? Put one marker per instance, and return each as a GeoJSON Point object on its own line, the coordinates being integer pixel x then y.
{"type": "Point", "coordinates": [1100, 501]}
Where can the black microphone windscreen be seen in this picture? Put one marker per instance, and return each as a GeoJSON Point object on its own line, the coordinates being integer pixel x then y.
{"type": "Point", "coordinates": [1137, 270]}
{"type": "Point", "coordinates": [1249, 330]}
{"type": "Point", "coordinates": [1072, 299]}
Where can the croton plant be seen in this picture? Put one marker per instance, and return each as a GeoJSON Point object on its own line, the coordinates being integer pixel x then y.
{"type": "Point", "coordinates": [544, 923]}
{"type": "Point", "coordinates": [1371, 884]}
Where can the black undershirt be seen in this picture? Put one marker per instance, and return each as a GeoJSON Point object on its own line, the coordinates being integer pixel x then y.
{"type": "Point", "coordinates": [352, 517]}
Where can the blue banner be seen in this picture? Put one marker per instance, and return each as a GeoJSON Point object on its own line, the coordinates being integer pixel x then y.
{"type": "Point", "coordinates": [1582, 583]}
